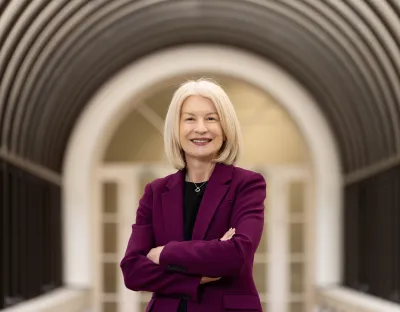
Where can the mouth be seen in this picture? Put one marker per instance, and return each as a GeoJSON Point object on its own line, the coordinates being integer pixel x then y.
{"type": "Point", "coordinates": [201, 141]}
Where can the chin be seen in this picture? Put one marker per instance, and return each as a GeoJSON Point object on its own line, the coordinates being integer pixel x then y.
{"type": "Point", "coordinates": [202, 156]}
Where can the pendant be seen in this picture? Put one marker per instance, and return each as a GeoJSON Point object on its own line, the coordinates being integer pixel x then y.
{"type": "Point", "coordinates": [197, 189]}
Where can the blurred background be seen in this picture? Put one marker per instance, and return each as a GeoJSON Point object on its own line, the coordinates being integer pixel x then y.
{"type": "Point", "coordinates": [84, 90]}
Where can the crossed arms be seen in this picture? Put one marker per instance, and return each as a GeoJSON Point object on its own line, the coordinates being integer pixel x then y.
{"type": "Point", "coordinates": [197, 258]}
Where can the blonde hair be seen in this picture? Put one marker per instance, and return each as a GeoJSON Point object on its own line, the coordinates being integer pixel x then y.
{"type": "Point", "coordinates": [232, 145]}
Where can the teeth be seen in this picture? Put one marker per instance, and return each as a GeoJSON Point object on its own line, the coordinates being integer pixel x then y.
{"type": "Point", "coordinates": [200, 141]}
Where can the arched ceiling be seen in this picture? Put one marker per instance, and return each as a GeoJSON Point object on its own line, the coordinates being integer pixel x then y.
{"type": "Point", "coordinates": [55, 55]}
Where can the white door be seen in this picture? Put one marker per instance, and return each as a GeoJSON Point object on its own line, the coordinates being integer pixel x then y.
{"type": "Point", "coordinates": [282, 268]}
{"type": "Point", "coordinates": [123, 185]}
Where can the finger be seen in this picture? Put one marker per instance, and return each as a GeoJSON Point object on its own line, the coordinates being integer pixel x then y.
{"type": "Point", "coordinates": [230, 231]}
{"type": "Point", "coordinates": [228, 234]}
{"type": "Point", "coordinates": [224, 238]}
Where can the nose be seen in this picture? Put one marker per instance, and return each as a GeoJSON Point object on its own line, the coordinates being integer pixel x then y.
{"type": "Point", "coordinates": [200, 127]}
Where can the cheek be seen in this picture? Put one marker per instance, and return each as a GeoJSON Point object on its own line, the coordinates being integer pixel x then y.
{"type": "Point", "coordinates": [220, 133]}
{"type": "Point", "coordinates": [183, 130]}
{"type": "Point", "coordinates": [219, 139]}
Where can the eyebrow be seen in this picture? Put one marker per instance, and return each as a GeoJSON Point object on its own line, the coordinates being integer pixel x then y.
{"type": "Point", "coordinates": [211, 113]}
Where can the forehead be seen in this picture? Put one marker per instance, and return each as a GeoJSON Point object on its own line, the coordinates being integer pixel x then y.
{"type": "Point", "coordinates": [198, 104]}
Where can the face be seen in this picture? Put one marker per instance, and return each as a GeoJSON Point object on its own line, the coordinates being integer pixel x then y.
{"type": "Point", "coordinates": [200, 129]}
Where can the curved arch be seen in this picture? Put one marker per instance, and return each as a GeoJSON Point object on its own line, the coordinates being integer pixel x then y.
{"type": "Point", "coordinates": [56, 56]}
{"type": "Point", "coordinates": [99, 120]}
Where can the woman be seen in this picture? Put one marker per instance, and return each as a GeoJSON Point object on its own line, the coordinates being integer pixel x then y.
{"type": "Point", "coordinates": [197, 230]}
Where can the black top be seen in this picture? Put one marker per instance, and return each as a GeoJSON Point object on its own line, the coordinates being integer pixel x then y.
{"type": "Point", "coordinates": [191, 204]}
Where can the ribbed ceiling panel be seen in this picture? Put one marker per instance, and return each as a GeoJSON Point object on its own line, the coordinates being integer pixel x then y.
{"type": "Point", "coordinates": [55, 55]}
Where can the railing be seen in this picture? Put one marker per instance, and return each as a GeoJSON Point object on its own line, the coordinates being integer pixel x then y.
{"type": "Point", "coordinates": [59, 300]}
{"type": "Point", "coordinates": [30, 236]}
{"type": "Point", "coordinates": [340, 299]}
{"type": "Point", "coordinates": [372, 235]}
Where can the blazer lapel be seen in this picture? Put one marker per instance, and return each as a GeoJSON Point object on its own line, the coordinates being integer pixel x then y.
{"type": "Point", "coordinates": [172, 207]}
{"type": "Point", "coordinates": [216, 189]}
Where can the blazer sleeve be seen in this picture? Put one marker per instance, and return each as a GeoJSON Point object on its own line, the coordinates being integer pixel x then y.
{"type": "Point", "coordinates": [216, 258]}
{"type": "Point", "coordinates": [140, 273]}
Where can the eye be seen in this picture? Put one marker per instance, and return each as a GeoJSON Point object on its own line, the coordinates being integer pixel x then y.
{"type": "Point", "coordinates": [211, 118]}
{"type": "Point", "coordinates": [190, 118]}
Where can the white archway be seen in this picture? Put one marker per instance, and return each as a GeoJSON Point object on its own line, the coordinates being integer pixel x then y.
{"type": "Point", "coordinates": [106, 110]}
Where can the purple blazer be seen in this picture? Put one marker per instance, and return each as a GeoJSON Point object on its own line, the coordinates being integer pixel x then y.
{"type": "Point", "coordinates": [234, 197]}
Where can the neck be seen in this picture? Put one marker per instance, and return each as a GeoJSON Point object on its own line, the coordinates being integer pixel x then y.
{"type": "Point", "coordinates": [198, 171]}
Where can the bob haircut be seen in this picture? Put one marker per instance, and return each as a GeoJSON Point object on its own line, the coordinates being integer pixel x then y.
{"type": "Point", "coordinates": [232, 144]}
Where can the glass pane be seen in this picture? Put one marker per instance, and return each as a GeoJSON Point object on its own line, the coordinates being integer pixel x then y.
{"type": "Point", "coordinates": [264, 305]}
{"type": "Point", "coordinates": [159, 101]}
{"type": "Point", "coordinates": [263, 246]}
{"type": "Point", "coordinates": [260, 276]}
{"type": "Point", "coordinates": [261, 171]}
{"type": "Point", "coordinates": [109, 197]}
{"type": "Point", "coordinates": [110, 237]}
{"type": "Point", "coordinates": [109, 277]}
{"type": "Point", "coordinates": [296, 197]}
{"type": "Point", "coordinates": [110, 307]}
{"type": "Point", "coordinates": [135, 140]}
{"type": "Point", "coordinates": [296, 307]}
{"type": "Point", "coordinates": [145, 177]}
{"type": "Point", "coordinates": [297, 277]}
{"type": "Point", "coordinates": [143, 306]}
{"type": "Point", "coordinates": [296, 237]}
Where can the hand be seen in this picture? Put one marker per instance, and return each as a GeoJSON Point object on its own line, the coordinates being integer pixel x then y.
{"type": "Point", "coordinates": [206, 279]}
{"type": "Point", "coordinates": [154, 254]}
{"type": "Point", "coordinates": [228, 235]}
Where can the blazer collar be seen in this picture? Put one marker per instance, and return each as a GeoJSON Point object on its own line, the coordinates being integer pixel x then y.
{"type": "Point", "coordinates": [172, 202]}
{"type": "Point", "coordinates": [221, 173]}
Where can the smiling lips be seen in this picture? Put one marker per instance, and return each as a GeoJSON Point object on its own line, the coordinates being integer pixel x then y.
{"type": "Point", "coordinates": [200, 142]}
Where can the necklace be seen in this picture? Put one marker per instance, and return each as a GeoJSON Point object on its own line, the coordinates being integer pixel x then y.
{"type": "Point", "coordinates": [197, 189]}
